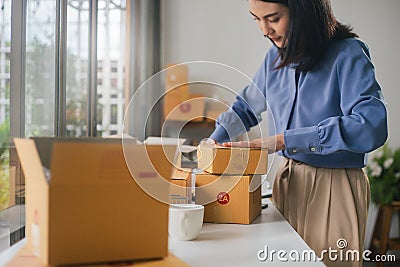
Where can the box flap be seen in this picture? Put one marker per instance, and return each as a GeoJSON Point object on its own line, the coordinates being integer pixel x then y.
{"type": "Point", "coordinates": [44, 146]}
{"type": "Point", "coordinates": [104, 161]}
{"type": "Point", "coordinates": [181, 173]}
{"type": "Point", "coordinates": [30, 159]}
{"type": "Point", "coordinates": [150, 162]}
{"type": "Point", "coordinates": [37, 195]}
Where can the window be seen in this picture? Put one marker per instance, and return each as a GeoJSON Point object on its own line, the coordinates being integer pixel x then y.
{"type": "Point", "coordinates": [62, 73]}
{"type": "Point", "coordinates": [11, 218]}
{"type": "Point", "coordinates": [111, 41]}
{"type": "Point", "coordinates": [114, 66]}
{"type": "Point", "coordinates": [77, 71]}
{"type": "Point", "coordinates": [7, 173]}
{"type": "Point", "coordinates": [114, 114]}
{"type": "Point", "coordinates": [110, 61]}
{"type": "Point", "coordinates": [40, 68]}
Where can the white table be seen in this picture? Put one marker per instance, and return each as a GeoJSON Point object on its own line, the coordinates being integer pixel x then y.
{"type": "Point", "coordinates": [238, 245]}
{"type": "Point", "coordinates": [231, 245]}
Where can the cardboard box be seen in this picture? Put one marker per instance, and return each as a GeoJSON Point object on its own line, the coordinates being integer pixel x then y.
{"type": "Point", "coordinates": [235, 160]}
{"type": "Point", "coordinates": [176, 83]}
{"type": "Point", "coordinates": [181, 178]}
{"type": "Point", "coordinates": [237, 205]}
{"type": "Point", "coordinates": [188, 110]}
{"type": "Point", "coordinates": [171, 101]}
{"type": "Point", "coordinates": [179, 92]}
{"type": "Point", "coordinates": [12, 191]}
{"type": "Point", "coordinates": [176, 75]}
{"type": "Point", "coordinates": [25, 258]}
{"type": "Point", "coordinates": [92, 210]}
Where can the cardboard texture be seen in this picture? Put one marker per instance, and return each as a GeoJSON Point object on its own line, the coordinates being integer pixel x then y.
{"type": "Point", "coordinates": [92, 210]}
{"type": "Point", "coordinates": [176, 75]}
{"type": "Point", "coordinates": [186, 110]}
{"type": "Point", "coordinates": [25, 258]}
{"type": "Point", "coordinates": [12, 176]}
{"type": "Point", "coordinates": [176, 86]}
{"type": "Point", "coordinates": [235, 160]}
{"type": "Point", "coordinates": [180, 177]}
{"type": "Point", "coordinates": [236, 206]}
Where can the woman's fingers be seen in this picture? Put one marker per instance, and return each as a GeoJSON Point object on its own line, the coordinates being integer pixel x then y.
{"type": "Point", "coordinates": [237, 144]}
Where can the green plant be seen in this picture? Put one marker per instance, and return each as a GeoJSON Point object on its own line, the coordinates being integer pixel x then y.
{"type": "Point", "coordinates": [4, 180]}
{"type": "Point", "coordinates": [383, 170]}
{"type": "Point", "coordinates": [4, 164]}
{"type": "Point", "coordinates": [4, 136]}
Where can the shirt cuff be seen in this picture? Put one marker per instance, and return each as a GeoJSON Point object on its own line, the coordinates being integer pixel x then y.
{"type": "Point", "coordinates": [302, 140]}
{"type": "Point", "coordinates": [220, 135]}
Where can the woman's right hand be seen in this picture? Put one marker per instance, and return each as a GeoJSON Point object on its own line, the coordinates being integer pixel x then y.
{"type": "Point", "coordinates": [272, 143]}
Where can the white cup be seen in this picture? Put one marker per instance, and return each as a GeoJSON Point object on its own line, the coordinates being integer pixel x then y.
{"type": "Point", "coordinates": [185, 221]}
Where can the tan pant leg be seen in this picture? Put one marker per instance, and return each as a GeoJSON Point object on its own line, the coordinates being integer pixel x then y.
{"type": "Point", "coordinates": [323, 206]}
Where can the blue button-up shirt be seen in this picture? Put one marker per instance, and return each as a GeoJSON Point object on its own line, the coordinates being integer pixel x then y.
{"type": "Point", "coordinates": [331, 118]}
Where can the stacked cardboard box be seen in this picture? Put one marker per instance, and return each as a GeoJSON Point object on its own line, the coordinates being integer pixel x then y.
{"type": "Point", "coordinates": [238, 169]}
{"type": "Point", "coordinates": [179, 105]}
{"type": "Point", "coordinates": [181, 185]}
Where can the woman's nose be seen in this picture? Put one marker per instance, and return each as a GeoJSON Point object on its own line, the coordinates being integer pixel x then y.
{"type": "Point", "coordinates": [265, 28]}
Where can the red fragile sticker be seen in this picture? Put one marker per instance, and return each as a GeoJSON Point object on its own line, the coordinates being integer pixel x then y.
{"type": "Point", "coordinates": [185, 107]}
{"type": "Point", "coordinates": [223, 198]}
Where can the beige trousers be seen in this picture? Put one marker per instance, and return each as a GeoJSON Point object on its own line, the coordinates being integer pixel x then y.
{"type": "Point", "coordinates": [327, 207]}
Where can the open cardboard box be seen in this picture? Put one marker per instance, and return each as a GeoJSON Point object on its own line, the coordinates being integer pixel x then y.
{"type": "Point", "coordinates": [89, 208]}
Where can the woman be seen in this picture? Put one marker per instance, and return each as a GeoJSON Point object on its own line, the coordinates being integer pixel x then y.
{"type": "Point", "coordinates": [320, 86]}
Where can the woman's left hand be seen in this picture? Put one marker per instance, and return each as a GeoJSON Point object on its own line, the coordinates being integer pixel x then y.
{"type": "Point", "coordinates": [272, 143]}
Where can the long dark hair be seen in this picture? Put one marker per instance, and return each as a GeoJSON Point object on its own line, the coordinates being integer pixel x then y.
{"type": "Point", "coordinates": [312, 27]}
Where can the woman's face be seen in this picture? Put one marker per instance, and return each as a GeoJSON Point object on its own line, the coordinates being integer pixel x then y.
{"type": "Point", "coordinates": [272, 18]}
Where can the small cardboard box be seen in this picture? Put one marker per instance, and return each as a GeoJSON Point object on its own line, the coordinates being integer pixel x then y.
{"type": "Point", "coordinates": [190, 109]}
{"type": "Point", "coordinates": [83, 205]}
{"type": "Point", "coordinates": [176, 75]}
{"type": "Point", "coordinates": [232, 160]}
{"type": "Point", "coordinates": [176, 84]}
{"type": "Point", "coordinates": [25, 258]}
{"type": "Point", "coordinates": [181, 188]}
{"type": "Point", "coordinates": [172, 100]}
{"type": "Point", "coordinates": [238, 205]}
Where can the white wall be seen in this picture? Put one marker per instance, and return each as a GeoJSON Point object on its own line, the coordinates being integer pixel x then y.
{"type": "Point", "coordinates": [377, 23]}
{"type": "Point", "coordinates": [223, 31]}
{"type": "Point", "coordinates": [215, 30]}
